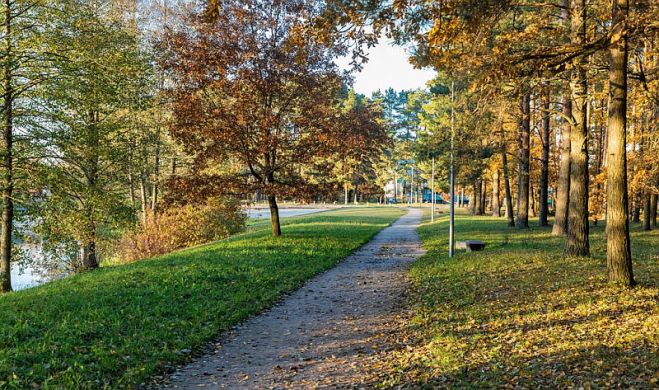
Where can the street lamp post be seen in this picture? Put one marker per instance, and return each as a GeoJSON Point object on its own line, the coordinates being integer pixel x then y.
{"type": "Point", "coordinates": [411, 200]}
{"type": "Point", "coordinates": [432, 192]}
{"type": "Point", "coordinates": [451, 229]}
{"type": "Point", "coordinates": [395, 188]}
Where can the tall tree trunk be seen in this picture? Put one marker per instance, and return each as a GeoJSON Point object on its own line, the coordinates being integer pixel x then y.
{"type": "Point", "coordinates": [483, 196]}
{"type": "Point", "coordinates": [345, 194]}
{"type": "Point", "coordinates": [506, 180]}
{"type": "Point", "coordinates": [532, 205]}
{"type": "Point", "coordinates": [459, 196]}
{"type": "Point", "coordinates": [577, 243]}
{"type": "Point", "coordinates": [524, 139]}
{"type": "Point", "coordinates": [8, 160]}
{"type": "Point", "coordinates": [563, 190]}
{"type": "Point", "coordinates": [156, 162]}
{"type": "Point", "coordinates": [131, 188]}
{"type": "Point", "coordinates": [478, 188]}
{"type": "Point", "coordinates": [144, 196]}
{"type": "Point", "coordinates": [653, 209]}
{"type": "Point", "coordinates": [618, 249]}
{"type": "Point", "coordinates": [92, 145]}
{"type": "Point", "coordinates": [173, 167]}
{"type": "Point", "coordinates": [473, 207]}
{"type": "Point", "coordinates": [89, 255]}
{"type": "Point", "coordinates": [599, 156]}
{"type": "Point", "coordinates": [636, 215]}
{"type": "Point", "coordinates": [156, 171]}
{"type": "Point", "coordinates": [544, 170]}
{"type": "Point", "coordinates": [395, 188]}
{"type": "Point", "coordinates": [647, 212]}
{"type": "Point", "coordinates": [274, 215]}
{"type": "Point", "coordinates": [496, 207]}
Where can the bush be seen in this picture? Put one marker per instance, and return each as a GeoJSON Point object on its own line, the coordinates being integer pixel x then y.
{"type": "Point", "coordinates": [182, 227]}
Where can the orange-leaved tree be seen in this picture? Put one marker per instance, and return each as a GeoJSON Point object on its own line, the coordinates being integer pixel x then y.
{"type": "Point", "coordinates": [256, 100]}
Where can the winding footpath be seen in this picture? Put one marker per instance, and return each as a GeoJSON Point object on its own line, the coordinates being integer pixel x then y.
{"type": "Point", "coordinates": [328, 334]}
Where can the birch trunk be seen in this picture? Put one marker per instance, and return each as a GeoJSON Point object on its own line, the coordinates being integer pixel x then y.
{"type": "Point", "coordinates": [7, 159]}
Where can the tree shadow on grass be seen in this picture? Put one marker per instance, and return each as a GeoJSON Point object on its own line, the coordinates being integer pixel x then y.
{"type": "Point", "coordinates": [523, 315]}
{"type": "Point", "coordinates": [598, 367]}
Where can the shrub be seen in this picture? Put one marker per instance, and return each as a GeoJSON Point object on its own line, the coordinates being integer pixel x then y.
{"type": "Point", "coordinates": [182, 226]}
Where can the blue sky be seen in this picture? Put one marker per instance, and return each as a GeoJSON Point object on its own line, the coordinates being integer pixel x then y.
{"type": "Point", "coordinates": [388, 66]}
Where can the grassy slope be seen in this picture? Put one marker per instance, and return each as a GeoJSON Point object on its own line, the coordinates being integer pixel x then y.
{"type": "Point", "coordinates": [520, 313]}
{"type": "Point", "coordinates": [117, 326]}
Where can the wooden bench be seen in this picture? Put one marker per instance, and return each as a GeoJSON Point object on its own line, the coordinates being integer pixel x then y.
{"type": "Point", "coordinates": [470, 245]}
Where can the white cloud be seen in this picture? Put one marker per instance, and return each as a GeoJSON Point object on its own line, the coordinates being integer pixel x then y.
{"type": "Point", "coordinates": [388, 66]}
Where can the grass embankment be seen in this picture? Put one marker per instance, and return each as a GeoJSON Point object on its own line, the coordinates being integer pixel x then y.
{"type": "Point", "coordinates": [522, 314]}
{"type": "Point", "coordinates": [117, 326]}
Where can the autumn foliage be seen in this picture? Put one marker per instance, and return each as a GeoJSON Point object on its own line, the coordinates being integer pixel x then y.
{"type": "Point", "coordinates": [182, 227]}
{"type": "Point", "coordinates": [256, 100]}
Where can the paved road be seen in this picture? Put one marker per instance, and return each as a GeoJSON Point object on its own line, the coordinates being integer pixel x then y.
{"type": "Point", "coordinates": [328, 334]}
{"type": "Point", "coordinates": [283, 213]}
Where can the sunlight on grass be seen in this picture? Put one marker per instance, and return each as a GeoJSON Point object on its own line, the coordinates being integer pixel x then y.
{"type": "Point", "coordinates": [522, 314]}
{"type": "Point", "coordinates": [117, 326]}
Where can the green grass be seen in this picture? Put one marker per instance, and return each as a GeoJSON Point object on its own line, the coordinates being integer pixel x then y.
{"type": "Point", "coordinates": [118, 326]}
{"type": "Point", "coordinates": [522, 314]}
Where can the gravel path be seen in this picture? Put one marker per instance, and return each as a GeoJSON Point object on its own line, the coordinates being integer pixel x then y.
{"type": "Point", "coordinates": [328, 334]}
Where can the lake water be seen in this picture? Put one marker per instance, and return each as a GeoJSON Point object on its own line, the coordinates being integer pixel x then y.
{"type": "Point", "coordinates": [22, 279]}
{"type": "Point", "coordinates": [25, 278]}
